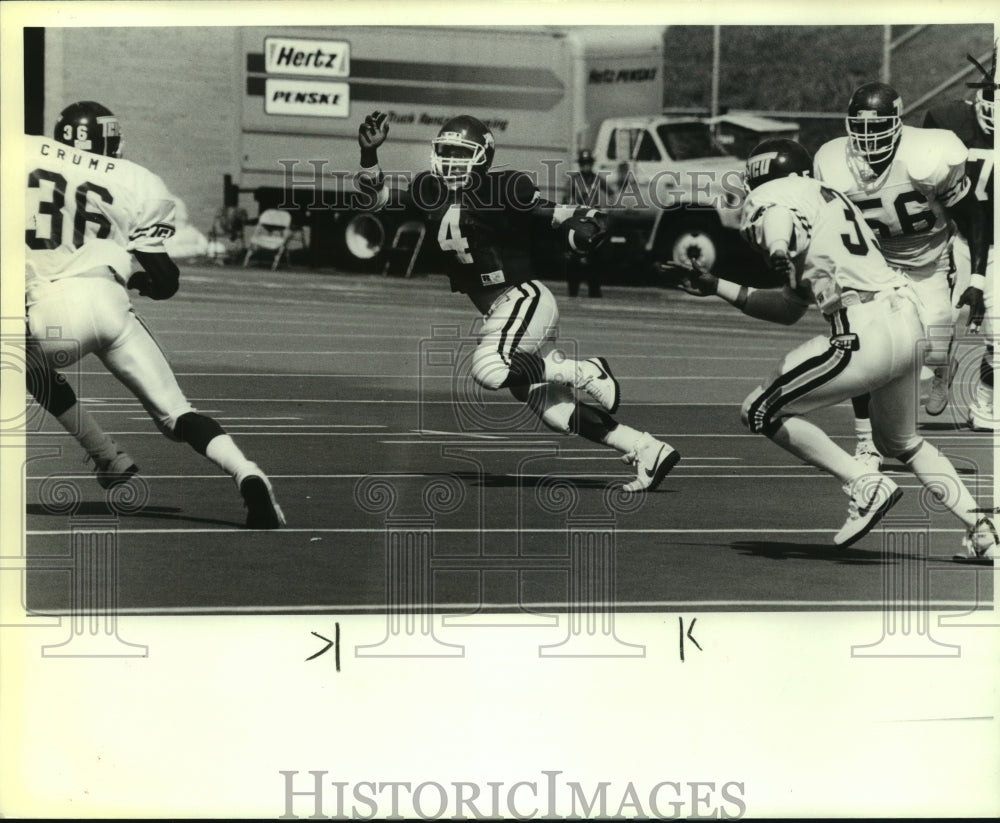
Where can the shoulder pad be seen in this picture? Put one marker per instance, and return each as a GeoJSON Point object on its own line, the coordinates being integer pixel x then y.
{"type": "Point", "coordinates": [930, 153]}
{"type": "Point", "coordinates": [830, 164]}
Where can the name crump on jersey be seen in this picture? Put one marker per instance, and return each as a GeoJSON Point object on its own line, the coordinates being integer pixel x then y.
{"type": "Point", "coordinates": [95, 162]}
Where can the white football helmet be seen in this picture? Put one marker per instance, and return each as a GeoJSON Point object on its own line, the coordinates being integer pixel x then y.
{"type": "Point", "coordinates": [983, 102]}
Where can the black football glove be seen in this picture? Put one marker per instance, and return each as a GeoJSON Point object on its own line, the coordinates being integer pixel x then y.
{"type": "Point", "coordinates": [973, 298]}
{"type": "Point", "coordinates": [149, 286]}
{"type": "Point", "coordinates": [372, 133]}
{"type": "Point", "coordinates": [586, 231]}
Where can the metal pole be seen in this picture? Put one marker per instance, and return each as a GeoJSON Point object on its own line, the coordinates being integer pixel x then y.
{"type": "Point", "coordinates": [715, 70]}
{"type": "Point", "coordinates": [886, 53]}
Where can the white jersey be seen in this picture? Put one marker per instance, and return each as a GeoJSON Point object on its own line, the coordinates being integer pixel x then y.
{"type": "Point", "coordinates": [86, 211]}
{"type": "Point", "coordinates": [905, 205]}
{"type": "Point", "coordinates": [832, 246]}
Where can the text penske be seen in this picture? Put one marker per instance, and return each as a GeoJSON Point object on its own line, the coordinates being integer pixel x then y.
{"type": "Point", "coordinates": [313, 97]}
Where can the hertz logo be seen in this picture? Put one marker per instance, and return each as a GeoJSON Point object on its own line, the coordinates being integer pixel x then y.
{"type": "Point", "coordinates": [318, 58]}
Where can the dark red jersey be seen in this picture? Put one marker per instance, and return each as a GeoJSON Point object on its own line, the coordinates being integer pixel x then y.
{"type": "Point", "coordinates": [960, 117]}
{"type": "Point", "coordinates": [487, 229]}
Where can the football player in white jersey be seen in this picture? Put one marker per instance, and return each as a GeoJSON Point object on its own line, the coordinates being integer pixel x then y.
{"type": "Point", "coordinates": [972, 121]}
{"type": "Point", "coordinates": [89, 214]}
{"type": "Point", "coordinates": [818, 241]}
{"type": "Point", "coordinates": [911, 186]}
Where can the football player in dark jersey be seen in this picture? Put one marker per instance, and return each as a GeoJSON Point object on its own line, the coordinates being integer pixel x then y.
{"type": "Point", "coordinates": [972, 121]}
{"type": "Point", "coordinates": [486, 219]}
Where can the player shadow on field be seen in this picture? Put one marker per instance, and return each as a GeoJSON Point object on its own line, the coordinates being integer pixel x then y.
{"type": "Point", "coordinates": [942, 426]}
{"type": "Point", "coordinates": [96, 508]}
{"type": "Point", "coordinates": [491, 481]}
{"type": "Point", "coordinates": [901, 468]}
{"type": "Point", "coordinates": [777, 550]}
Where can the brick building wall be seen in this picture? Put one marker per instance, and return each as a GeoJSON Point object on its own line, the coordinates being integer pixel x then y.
{"type": "Point", "coordinates": [176, 91]}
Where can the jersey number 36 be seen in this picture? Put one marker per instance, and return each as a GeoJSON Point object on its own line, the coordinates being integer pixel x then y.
{"type": "Point", "coordinates": [56, 209]}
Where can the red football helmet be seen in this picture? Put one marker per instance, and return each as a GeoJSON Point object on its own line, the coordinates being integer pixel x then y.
{"type": "Point", "coordinates": [464, 146]}
{"type": "Point", "coordinates": [874, 124]}
{"type": "Point", "coordinates": [91, 127]}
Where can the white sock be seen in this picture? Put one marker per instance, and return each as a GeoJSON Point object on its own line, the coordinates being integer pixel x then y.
{"type": "Point", "coordinates": [937, 473]}
{"type": "Point", "coordinates": [82, 425]}
{"type": "Point", "coordinates": [809, 442]}
{"type": "Point", "coordinates": [863, 428]}
{"type": "Point", "coordinates": [559, 368]}
{"type": "Point", "coordinates": [623, 438]}
{"type": "Point", "coordinates": [223, 451]}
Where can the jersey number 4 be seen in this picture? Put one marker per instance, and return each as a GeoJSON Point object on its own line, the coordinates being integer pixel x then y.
{"type": "Point", "coordinates": [450, 237]}
{"type": "Point", "coordinates": [55, 209]}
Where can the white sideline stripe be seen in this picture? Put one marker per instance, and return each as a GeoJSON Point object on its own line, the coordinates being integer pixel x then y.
{"type": "Point", "coordinates": [368, 376]}
{"type": "Point", "coordinates": [415, 353]}
{"type": "Point", "coordinates": [672, 343]}
{"type": "Point", "coordinates": [559, 607]}
{"type": "Point", "coordinates": [498, 402]}
{"type": "Point", "coordinates": [523, 530]}
{"type": "Point", "coordinates": [287, 425]}
{"type": "Point", "coordinates": [243, 418]}
{"type": "Point", "coordinates": [458, 434]}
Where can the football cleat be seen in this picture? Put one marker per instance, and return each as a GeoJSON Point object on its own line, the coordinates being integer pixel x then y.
{"type": "Point", "coordinates": [937, 400]}
{"type": "Point", "coordinates": [653, 460]}
{"type": "Point", "coordinates": [981, 411]}
{"type": "Point", "coordinates": [979, 544]}
{"type": "Point", "coordinates": [595, 378]}
{"type": "Point", "coordinates": [114, 471]}
{"type": "Point", "coordinates": [872, 495]}
{"type": "Point", "coordinates": [868, 455]}
{"type": "Point", "coordinates": [263, 511]}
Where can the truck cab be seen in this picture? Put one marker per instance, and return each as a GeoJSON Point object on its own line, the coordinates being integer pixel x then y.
{"type": "Point", "coordinates": [675, 190]}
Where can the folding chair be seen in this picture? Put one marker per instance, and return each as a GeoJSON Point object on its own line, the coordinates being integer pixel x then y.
{"type": "Point", "coordinates": [272, 233]}
{"type": "Point", "coordinates": [405, 248]}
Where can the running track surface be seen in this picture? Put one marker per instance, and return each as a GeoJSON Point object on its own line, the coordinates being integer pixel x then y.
{"type": "Point", "coordinates": [343, 389]}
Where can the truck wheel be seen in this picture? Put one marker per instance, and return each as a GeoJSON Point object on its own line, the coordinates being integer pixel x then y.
{"type": "Point", "coordinates": [695, 242]}
{"type": "Point", "coordinates": [681, 236]}
{"type": "Point", "coordinates": [366, 241]}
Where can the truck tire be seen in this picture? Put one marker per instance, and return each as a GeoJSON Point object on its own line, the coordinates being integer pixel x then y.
{"type": "Point", "coordinates": [365, 241]}
{"type": "Point", "coordinates": [690, 236]}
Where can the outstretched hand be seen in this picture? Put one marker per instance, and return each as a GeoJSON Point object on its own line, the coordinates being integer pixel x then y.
{"type": "Point", "coordinates": [782, 265]}
{"type": "Point", "coordinates": [693, 278]}
{"type": "Point", "coordinates": [372, 132]}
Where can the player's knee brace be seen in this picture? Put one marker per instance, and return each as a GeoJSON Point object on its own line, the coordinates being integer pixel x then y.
{"type": "Point", "coordinates": [197, 430]}
{"type": "Point", "coordinates": [51, 389]}
{"type": "Point", "coordinates": [490, 370]}
{"type": "Point", "coordinates": [902, 450]}
{"type": "Point", "coordinates": [591, 422]}
{"type": "Point", "coordinates": [861, 404]}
